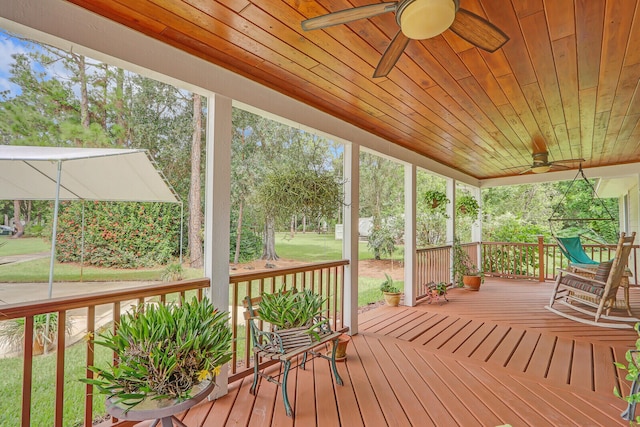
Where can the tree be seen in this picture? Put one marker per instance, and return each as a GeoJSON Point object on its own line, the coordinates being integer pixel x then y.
{"type": "Point", "coordinates": [297, 190]}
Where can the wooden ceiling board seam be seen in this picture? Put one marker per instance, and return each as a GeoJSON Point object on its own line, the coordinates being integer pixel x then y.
{"type": "Point", "coordinates": [480, 71]}
{"type": "Point", "coordinates": [516, 124]}
{"type": "Point", "coordinates": [634, 103]}
{"type": "Point", "coordinates": [533, 95]}
{"type": "Point", "coordinates": [599, 134]}
{"type": "Point", "coordinates": [235, 5]}
{"type": "Point", "coordinates": [587, 100]}
{"type": "Point", "coordinates": [122, 13]}
{"type": "Point", "coordinates": [562, 136]}
{"type": "Point", "coordinates": [589, 29]}
{"type": "Point", "coordinates": [528, 7]}
{"type": "Point", "coordinates": [560, 16]}
{"type": "Point", "coordinates": [575, 144]}
{"type": "Point", "coordinates": [518, 101]}
{"type": "Point", "coordinates": [443, 98]}
{"type": "Point", "coordinates": [505, 18]}
{"type": "Point", "coordinates": [625, 91]}
{"type": "Point", "coordinates": [632, 55]}
{"type": "Point", "coordinates": [497, 62]}
{"type": "Point", "coordinates": [566, 61]}
{"type": "Point", "coordinates": [443, 53]}
{"type": "Point", "coordinates": [224, 25]}
{"type": "Point", "coordinates": [618, 19]}
{"type": "Point", "coordinates": [540, 52]}
{"type": "Point", "coordinates": [474, 90]}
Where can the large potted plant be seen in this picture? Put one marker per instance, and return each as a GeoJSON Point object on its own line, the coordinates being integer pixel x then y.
{"type": "Point", "coordinates": [293, 310]}
{"type": "Point", "coordinates": [164, 354]}
{"type": "Point", "coordinates": [390, 291]}
{"type": "Point", "coordinates": [465, 272]}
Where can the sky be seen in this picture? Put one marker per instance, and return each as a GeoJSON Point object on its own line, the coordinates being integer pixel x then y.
{"type": "Point", "coordinates": [8, 47]}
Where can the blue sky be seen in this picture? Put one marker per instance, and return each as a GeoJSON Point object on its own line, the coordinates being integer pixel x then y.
{"type": "Point", "coordinates": [8, 47]}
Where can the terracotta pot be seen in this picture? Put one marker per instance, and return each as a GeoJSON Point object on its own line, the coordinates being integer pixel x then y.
{"type": "Point", "coordinates": [472, 282]}
{"type": "Point", "coordinates": [392, 298]}
{"type": "Point", "coordinates": [341, 350]}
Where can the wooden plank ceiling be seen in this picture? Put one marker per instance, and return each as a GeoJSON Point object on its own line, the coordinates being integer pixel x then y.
{"type": "Point", "coordinates": [567, 81]}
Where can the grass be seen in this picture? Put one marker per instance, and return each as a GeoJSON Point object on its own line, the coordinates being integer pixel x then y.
{"type": "Point", "coordinates": [27, 245]}
{"type": "Point", "coordinates": [44, 385]}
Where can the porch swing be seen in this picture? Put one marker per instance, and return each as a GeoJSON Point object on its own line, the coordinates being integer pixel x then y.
{"type": "Point", "coordinates": [569, 238]}
{"type": "Point", "coordinates": [587, 286]}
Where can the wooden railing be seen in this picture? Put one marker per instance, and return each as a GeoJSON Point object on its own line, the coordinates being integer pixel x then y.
{"type": "Point", "coordinates": [536, 261]}
{"type": "Point", "coordinates": [89, 302]}
{"type": "Point", "coordinates": [434, 265]}
{"type": "Point", "coordinates": [325, 279]}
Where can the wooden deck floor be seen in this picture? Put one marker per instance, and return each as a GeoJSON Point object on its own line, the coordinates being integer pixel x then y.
{"type": "Point", "coordinates": [485, 358]}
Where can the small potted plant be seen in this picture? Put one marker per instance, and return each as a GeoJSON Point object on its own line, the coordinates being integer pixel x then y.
{"type": "Point", "coordinates": [390, 291]}
{"type": "Point", "coordinates": [465, 272]}
{"type": "Point", "coordinates": [163, 353]}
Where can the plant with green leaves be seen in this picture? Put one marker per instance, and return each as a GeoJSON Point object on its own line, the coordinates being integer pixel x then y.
{"type": "Point", "coordinates": [45, 328]}
{"type": "Point", "coordinates": [462, 264]}
{"type": "Point", "coordinates": [173, 272]}
{"type": "Point", "coordinates": [163, 351]}
{"type": "Point", "coordinates": [633, 375]}
{"type": "Point", "coordinates": [467, 205]}
{"type": "Point", "coordinates": [388, 286]}
{"type": "Point", "coordinates": [291, 309]}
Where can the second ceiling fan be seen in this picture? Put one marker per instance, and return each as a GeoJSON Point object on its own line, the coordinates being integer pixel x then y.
{"type": "Point", "coordinates": [418, 20]}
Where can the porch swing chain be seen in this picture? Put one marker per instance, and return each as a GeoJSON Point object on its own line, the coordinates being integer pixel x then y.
{"type": "Point", "coordinates": [564, 196]}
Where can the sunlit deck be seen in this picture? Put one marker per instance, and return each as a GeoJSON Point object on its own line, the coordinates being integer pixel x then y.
{"type": "Point", "coordinates": [484, 358]}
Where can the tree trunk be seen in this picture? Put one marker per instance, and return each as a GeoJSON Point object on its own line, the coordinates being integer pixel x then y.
{"type": "Point", "coordinates": [236, 256]}
{"type": "Point", "coordinates": [84, 97]}
{"type": "Point", "coordinates": [269, 246]}
{"type": "Point", "coordinates": [304, 224]}
{"type": "Point", "coordinates": [292, 227]}
{"type": "Point", "coordinates": [195, 214]}
{"type": "Point", "coordinates": [17, 223]}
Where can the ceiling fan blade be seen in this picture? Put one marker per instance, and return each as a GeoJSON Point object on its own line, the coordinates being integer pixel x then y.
{"type": "Point", "coordinates": [391, 55]}
{"type": "Point", "coordinates": [348, 15]}
{"type": "Point", "coordinates": [525, 171]}
{"type": "Point", "coordinates": [478, 31]}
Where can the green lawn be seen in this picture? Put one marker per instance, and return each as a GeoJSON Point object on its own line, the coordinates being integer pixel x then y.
{"type": "Point", "coordinates": [26, 245]}
{"type": "Point", "coordinates": [44, 385]}
{"type": "Point", "coordinates": [314, 247]}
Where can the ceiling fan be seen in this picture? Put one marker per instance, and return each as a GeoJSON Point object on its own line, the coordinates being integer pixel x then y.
{"type": "Point", "coordinates": [418, 20]}
{"type": "Point", "coordinates": [541, 163]}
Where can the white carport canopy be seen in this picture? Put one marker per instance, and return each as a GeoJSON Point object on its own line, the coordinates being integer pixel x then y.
{"type": "Point", "coordinates": [30, 173]}
{"type": "Point", "coordinates": [54, 173]}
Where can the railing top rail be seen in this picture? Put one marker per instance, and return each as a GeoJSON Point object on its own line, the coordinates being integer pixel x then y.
{"type": "Point", "coordinates": [30, 308]}
{"type": "Point", "coordinates": [244, 277]}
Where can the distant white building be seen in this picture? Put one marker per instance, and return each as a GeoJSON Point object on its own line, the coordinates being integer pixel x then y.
{"type": "Point", "coordinates": [364, 228]}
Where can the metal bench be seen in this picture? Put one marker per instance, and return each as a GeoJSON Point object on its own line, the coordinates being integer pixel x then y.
{"type": "Point", "coordinates": [285, 346]}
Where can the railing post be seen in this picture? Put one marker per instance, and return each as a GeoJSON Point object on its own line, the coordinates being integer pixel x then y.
{"type": "Point", "coordinates": [541, 274]}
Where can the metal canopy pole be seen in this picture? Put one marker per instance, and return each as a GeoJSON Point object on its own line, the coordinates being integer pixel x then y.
{"type": "Point", "coordinates": [54, 233]}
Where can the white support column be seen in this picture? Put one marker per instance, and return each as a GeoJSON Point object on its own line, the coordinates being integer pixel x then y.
{"type": "Point", "coordinates": [410, 285]}
{"type": "Point", "coordinates": [350, 234]}
{"type": "Point", "coordinates": [451, 220]}
{"type": "Point", "coordinates": [476, 227]}
{"type": "Point", "coordinates": [217, 210]}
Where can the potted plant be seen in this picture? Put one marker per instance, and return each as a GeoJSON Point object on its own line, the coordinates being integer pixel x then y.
{"type": "Point", "coordinates": [293, 310]}
{"type": "Point", "coordinates": [467, 205]}
{"type": "Point", "coordinates": [44, 332]}
{"type": "Point", "coordinates": [163, 352]}
{"type": "Point", "coordinates": [435, 198]}
{"type": "Point", "coordinates": [390, 291]}
{"type": "Point", "coordinates": [465, 272]}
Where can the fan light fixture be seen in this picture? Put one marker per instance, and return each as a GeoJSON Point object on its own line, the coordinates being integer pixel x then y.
{"type": "Point", "coordinates": [423, 19]}
{"type": "Point", "coordinates": [541, 169]}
